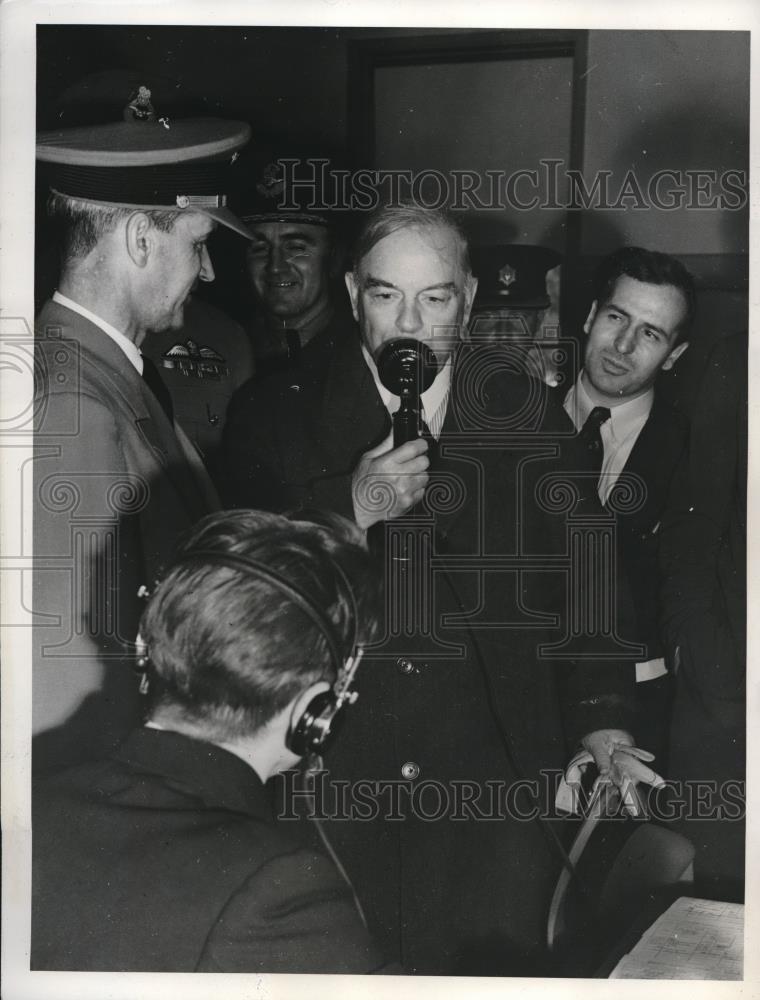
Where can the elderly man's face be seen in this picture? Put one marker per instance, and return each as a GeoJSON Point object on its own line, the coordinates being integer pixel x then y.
{"type": "Point", "coordinates": [411, 284]}
{"type": "Point", "coordinates": [289, 267]}
{"type": "Point", "coordinates": [181, 260]}
{"type": "Point", "coordinates": [632, 336]}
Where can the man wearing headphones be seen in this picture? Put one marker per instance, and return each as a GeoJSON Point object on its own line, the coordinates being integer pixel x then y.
{"type": "Point", "coordinates": [165, 857]}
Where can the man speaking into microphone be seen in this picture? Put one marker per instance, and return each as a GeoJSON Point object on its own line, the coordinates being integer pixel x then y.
{"type": "Point", "coordinates": [473, 688]}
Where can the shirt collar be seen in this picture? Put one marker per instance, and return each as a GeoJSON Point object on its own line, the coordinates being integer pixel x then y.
{"type": "Point", "coordinates": [435, 397]}
{"type": "Point", "coordinates": [624, 418]}
{"type": "Point", "coordinates": [126, 345]}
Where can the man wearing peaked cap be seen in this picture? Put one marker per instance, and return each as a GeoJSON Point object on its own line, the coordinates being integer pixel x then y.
{"type": "Point", "coordinates": [518, 300]}
{"type": "Point", "coordinates": [298, 314]}
{"type": "Point", "coordinates": [293, 262]}
{"type": "Point", "coordinates": [116, 480]}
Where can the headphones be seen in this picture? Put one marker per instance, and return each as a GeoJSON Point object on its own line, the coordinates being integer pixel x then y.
{"type": "Point", "coordinates": [315, 728]}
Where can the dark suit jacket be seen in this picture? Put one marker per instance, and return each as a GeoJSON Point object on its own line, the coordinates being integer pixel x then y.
{"type": "Point", "coordinates": [704, 568]}
{"type": "Point", "coordinates": [166, 858]}
{"type": "Point", "coordinates": [464, 703]}
{"type": "Point", "coordinates": [654, 458]}
{"type": "Point", "coordinates": [115, 485]}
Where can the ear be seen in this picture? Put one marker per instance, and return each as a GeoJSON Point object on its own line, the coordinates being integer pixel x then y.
{"type": "Point", "coordinates": [674, 355]}
{"type": "Point", "coordinates": [352, 284]}
{"type": "Point", "coordinates": [470, 288]}
{"type": "Point", "coordinates": [590, 317]}
{"type": "Point", "coordinates": [140, 238]}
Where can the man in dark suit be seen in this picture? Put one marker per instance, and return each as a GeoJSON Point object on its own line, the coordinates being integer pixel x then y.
{"type": "Point", "coordinates": [470, 691]}
{"type": "Point", "coordinates": [165, 856]}
{"type": "Point", "coordinates": [636, 328]}
{"type": "Point", "coordinates": [116, 480]}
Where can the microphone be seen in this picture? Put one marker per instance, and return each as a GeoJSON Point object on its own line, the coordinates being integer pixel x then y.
{"type": "Point", "coordinates": [407, 368]}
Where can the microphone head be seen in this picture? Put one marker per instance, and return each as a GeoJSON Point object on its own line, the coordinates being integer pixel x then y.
{"type": "Point", "coordinates": [407, 367]}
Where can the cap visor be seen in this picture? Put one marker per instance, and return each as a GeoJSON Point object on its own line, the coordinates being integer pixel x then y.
{"type": "Point", "coordinates": [226, 218]}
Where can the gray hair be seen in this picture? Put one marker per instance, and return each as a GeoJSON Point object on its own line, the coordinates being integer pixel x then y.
{"type": "Point", "coordinates": [408, 215]}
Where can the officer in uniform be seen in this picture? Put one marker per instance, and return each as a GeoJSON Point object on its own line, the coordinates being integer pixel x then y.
{"type": "Point", "coordinates": [299, 309]}
{"type": "Point", "coordinates": [299, 316]}
{"type": "Point", "coordinates": [116, 480]}
{"type": "Point", "coordinates": [518, 299]}
{"type": "Point", "coordinates": [203, 363]}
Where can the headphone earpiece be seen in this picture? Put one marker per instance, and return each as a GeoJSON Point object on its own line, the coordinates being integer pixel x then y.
{"type": "Point", "coordinates": [142, 661]}
{"type": "Point", "coordinates": [316, 725]}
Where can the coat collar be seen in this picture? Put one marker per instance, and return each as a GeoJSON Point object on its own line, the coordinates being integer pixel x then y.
{"type": "Point", "coordinates": [205, 771]}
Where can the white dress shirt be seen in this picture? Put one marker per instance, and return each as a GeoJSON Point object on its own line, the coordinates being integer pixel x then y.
{"type": "Point", "coordinates": [619, 435]}
{"type": "Point", "coordinates": [124, 343]}
{"type": "Point", "coordinates": [435, 400]}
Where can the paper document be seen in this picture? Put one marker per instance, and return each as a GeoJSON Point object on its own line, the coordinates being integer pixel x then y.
{"type": "Point", "coordinates": [693, 939]}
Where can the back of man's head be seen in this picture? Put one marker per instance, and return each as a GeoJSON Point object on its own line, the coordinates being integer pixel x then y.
{"type": "Point", "coordinates": [649, 267]}
{"type": "Point", "coordinates": [228, 649]}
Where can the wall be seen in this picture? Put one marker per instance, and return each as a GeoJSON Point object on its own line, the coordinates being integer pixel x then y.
{"type": "Point", "coordinates": [667, 100]}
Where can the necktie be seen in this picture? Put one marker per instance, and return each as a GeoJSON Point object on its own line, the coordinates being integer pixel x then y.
{"type": "Point", "coordinates": [591, 435]}
{"type": "Point", "coordinates": [157, 386]}
{"type": "Point", "coordinates": [432, 442]}
{"type": "Point", "coordinates": [293, 341]}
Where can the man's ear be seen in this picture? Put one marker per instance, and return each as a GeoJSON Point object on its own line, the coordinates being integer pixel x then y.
{"type": "Point", "coordinates": [352, 284]}
{"type": "Point", "coordinates": [674, 355]}
{"type": "Point", "coordinates": [140, 238]}
{"type": "Point", "coordinates": [590, 317]}
{"type": "Point", "coordinates": [470, 288]}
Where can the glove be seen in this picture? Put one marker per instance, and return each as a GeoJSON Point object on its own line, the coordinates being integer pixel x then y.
{"type": "Point", "coordinates": [620, 764]}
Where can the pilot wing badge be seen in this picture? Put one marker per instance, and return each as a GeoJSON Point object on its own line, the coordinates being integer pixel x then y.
{"type": "Point", "coordinates": [196, 361]}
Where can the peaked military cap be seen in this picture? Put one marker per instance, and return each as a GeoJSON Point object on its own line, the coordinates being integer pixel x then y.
{"type": "Point", "coordinates": [512, 275]}
{"type": "Point", "coordinates": [148, 161]}
{"type": "Point", "coordinates": [280, 183]}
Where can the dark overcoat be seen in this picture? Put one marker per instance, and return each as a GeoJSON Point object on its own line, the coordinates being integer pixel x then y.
{"type": "Point", "coordinates": [165, 857]}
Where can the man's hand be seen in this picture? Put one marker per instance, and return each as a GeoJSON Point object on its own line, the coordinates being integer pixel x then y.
{"type": "Point", "coordinates": [388, 481]}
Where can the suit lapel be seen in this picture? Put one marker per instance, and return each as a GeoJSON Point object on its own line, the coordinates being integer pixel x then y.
{"type": "Point", "coordinates": [353, 417]}
{"type": "Point", "coordinates": [655, 454]}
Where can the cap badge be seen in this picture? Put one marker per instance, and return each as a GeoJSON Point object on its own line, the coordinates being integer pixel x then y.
{"type": "Point", "coordinates": [272, 181]}
{"type": "Point", "coordinates": [507, 277]}
{"type": "Point", "coordinates": [140, 108]}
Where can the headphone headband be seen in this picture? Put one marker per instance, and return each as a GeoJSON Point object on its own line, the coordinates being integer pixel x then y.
{"type": "Point", "coordinates": [302, 601]}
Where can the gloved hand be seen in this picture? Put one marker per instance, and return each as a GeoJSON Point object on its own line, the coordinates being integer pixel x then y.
{"type": "Point", "coordinates": [620, 765]}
